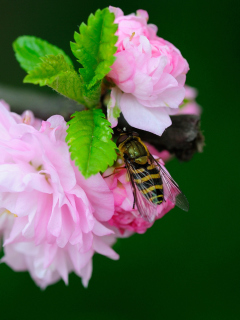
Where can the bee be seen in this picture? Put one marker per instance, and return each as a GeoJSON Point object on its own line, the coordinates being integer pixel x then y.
{"type": "Point", "coordinates": [151, 183]}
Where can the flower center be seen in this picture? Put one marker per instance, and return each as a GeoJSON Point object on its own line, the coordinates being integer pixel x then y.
{"type": "Point", "coordinates": [40, 168]}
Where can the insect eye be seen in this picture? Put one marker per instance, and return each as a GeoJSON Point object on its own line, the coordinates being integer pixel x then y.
{"type": "Point", "coordinates": [121, 139]}
{"type": "Point", "coordinates": [135, 134]}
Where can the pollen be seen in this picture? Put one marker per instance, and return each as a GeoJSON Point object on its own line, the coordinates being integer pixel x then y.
{"type": "Point", "coordinates": [27, 119]}
{"type": "Point", "coordinates": [131, 37]}
{"type": "Point", "coordinates": [40, 168]}
{"type": "Point", "coordinates": [8, 212]}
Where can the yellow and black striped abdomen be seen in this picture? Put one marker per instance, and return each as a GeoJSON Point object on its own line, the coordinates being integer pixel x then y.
{"type": "Point", "coordinates": [148, 180]}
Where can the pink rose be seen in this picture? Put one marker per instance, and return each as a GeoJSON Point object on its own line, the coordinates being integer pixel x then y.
{"type": "Point", "coordinates": [149, 73]}
{"type": "Point", "coordinates": [126, 219]}
{"type": "Point", "coordinates": [50, 215]}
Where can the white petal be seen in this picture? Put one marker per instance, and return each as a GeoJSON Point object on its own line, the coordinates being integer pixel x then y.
{"type": "Point", "coordinates": [154, 120]}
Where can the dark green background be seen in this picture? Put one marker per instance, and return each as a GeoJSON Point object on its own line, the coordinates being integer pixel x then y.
{"type": "Point", "coordinates": [187, 265]}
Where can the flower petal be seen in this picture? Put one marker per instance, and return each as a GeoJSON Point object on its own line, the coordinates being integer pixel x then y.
{"type": "Point", "coordinates": [101, 247]}
{"type": "Point", "coordinates": [154, 120]}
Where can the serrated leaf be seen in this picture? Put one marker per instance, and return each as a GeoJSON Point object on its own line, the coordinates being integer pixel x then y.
{"type": "Point", "coordinates": [89, 137]}
{"type": "Point", "coordinates": [91, 96]}
{"type": "Point", "coordinates": [94, 48]}
{"type": "Point", "coordinates": [29, 50]}
{"type": "Point", "coordinates": [55, 72]}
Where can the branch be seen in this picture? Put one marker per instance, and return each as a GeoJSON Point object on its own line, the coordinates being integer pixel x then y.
{"type": "Point", "coordinates": [42, 105]}
{"type": "Point", "coordinates": [183, 138]}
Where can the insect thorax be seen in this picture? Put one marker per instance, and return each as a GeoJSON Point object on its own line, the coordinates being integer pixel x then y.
{"type": "Point", "coordinates": [135, 150]}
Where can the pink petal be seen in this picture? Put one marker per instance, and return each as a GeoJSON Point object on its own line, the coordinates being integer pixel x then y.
{"type": "Point", "coordinates": [102, 248]}
{"type": "Point", "coordinates": [165, 82]}
{"type": "Point", "coordinates": [101, 197]}
{"type": "Point", "coordinates": [86, 273]}
{"type": "Point", "coordinates": [154, 120]}
{"type": "Point", "coordinates": [55, 221]}
{"type": "Point", "coordinates": [100, 230]}
{"type": "Point", "coordinates": [87, 242]}
{"type": "Point", "coordinates": [181, 79]}
{"type": "Point", "coordinates": [16, 230]}
{"type": "Point", "coordinates": [156, 67]}
{"type": "Point", "coordinates": [143, 14]}
{"type": "Point", "coordinates": [144, 85]}
{"type": "Point", "coordinates": [76, 237]}
{"type": "Point", "coordinates": [190, 92]}
{"type": "Point", "coordinates": [79, 260]}
{"type": "Point", "coordinates": [172, 97]}
{"type": "Point", "coordinates": [28, 230]}
{"type": "Point", "coordinates": [123, 68]}
{"type": "Point", "coordinates": [11, 178]}
{"type": "Point", "coordinates": [16, 261]}
{"type": "Point", "coordinates": [50, 254]}
{"type": "Point", "coordinates": [117, 11]}
{"type": "Point", "coordinates": [113, 106]}
{"type": "Point", "coordinates": [67, 227]}
{"type": "Point", "coordinates": [62, 266]}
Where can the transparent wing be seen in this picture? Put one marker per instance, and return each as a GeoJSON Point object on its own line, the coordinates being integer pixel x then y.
{"type": "Point", "coordinates": [171, 190]}
{"type": "Point", "coordinates": [146, 208]}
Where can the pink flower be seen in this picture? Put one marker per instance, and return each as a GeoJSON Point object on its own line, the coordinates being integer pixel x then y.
{"type": "Point", "coordinates": [57, 209]}
{"type": "Point", "coordinates": [189, 105]}
{"type": "Point", "coordinates": [126, 219]}
{"type": "Point", "coordinates": [149, 73]}
{"type": "Point", "coordinates": [48, 263]}
{"type": "Point", "coordinates": [27, 117]}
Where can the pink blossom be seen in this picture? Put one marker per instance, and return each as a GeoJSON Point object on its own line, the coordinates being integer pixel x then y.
{"type": "Point", "coordinates": [149, 73]}
{"type": "Point", "coordinates": [27, 116]}
{"type": "Point", "coordinates": [55, 207]}
{"type": "Point", "coordinates": [126, 219]}
{"type": "Point", "coordinates": [189, 105]}
{"type": "Point", "coordinates": [48, 263]}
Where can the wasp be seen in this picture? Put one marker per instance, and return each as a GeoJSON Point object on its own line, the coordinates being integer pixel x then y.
{"type": "Point", "coordinates": [151, 183]}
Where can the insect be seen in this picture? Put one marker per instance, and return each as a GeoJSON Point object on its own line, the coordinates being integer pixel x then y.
{"type": "Point", "coordinates": [151, 183]}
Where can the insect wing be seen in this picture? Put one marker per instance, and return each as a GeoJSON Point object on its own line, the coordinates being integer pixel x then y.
{"type": "Point", "coordinates": [171, 190]}
{"type": "Point", "coordinates": [146, 208]}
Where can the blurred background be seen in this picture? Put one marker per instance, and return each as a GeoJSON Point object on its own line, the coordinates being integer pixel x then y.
{"type": "Point", "coordinates": [187, 265]}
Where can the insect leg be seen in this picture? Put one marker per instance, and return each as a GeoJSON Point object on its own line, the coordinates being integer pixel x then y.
{"type": "Point", "coordinates": [114, 171]}
{"type": "Point", "coordinates": [134, 200]}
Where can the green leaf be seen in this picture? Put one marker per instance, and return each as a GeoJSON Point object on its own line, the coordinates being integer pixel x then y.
{"type": "Point", "coordinates": [30, 49]}
{"type": "Point", "coordinates": [91, 96]}
{"type": "Point", "coordinates": [89, 137]}
{"type": "Point", "coordinates": [55, 72]}
{"type": "Point", "coordinates": [94, 48]}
